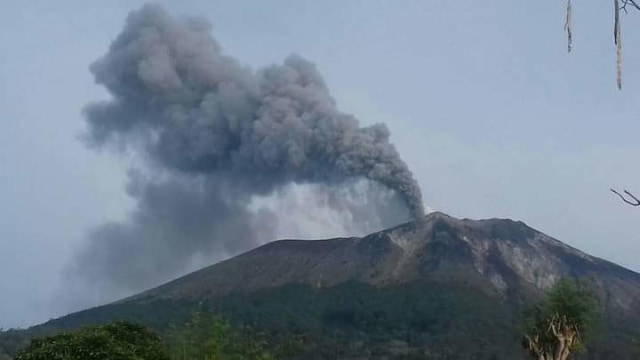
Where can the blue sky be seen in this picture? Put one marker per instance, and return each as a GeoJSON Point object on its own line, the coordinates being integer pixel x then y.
{"type": "Point", "coordinates": [492, 115]}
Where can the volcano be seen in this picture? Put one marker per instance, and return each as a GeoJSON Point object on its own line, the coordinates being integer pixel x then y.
{"type": "Point", "coordinates": [434, 288]}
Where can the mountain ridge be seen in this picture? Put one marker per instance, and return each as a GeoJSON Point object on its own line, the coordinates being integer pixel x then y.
{"type": "Point", "coordinates": [510, 254]}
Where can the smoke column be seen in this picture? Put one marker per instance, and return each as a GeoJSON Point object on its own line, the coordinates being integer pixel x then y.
{"type": "Point", "coordinates": [214, 137]}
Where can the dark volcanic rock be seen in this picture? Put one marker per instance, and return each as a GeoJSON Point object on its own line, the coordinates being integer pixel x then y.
{"type": "Point", "coordinates": [498, 255]}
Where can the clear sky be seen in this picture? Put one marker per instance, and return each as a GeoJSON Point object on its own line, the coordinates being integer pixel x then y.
{"type": "Point", "coordinates": [492, 115]}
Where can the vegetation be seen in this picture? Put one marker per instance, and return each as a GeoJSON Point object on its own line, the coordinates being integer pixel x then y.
{"type": "Point", "coordinates": [208, 336]}
{"type": "Point", "coordinates": [116, 341]}
{"type": "Point", "coordinates": [425, 321]}
{"type": "Point", "coordinates": [561, 323]}
{"type": "Point", "coordinates": [360, 321]}
{"type": "Point", "coordinates": [11, 341]}
{"type": "Point", "coordinates": [352, 320]}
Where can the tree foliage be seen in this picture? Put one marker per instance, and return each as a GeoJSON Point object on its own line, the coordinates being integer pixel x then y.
{"type": "Point", "coordinates": [208, 336]}
{"type": "Point", "coordinates": [115, 341]}
{"type": "Point", "coordinates": [561, 323]}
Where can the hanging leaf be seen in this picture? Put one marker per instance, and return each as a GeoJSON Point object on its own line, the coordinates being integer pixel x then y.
{"type": "Point", "coordinates": [617, 36]}
{"type": "Point", "coordinates": [568, 25]}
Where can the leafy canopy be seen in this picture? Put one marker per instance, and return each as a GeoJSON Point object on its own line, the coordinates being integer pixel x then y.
{"type": "Point", "coordinates": [562, 322]}
{"type": "Point", "coordinates": [116, 341]}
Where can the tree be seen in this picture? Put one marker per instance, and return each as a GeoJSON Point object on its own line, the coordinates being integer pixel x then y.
{"type": "Point", "coordinates": [207, 336]}
{"type": "Point", "coordinates": [560, 324]}
{"type": "Point", "coordinates": [115, 341]}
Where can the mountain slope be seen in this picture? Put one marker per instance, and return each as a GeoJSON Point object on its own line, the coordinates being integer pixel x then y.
{"type": "Point", "coordinates": [435, 288]}
{"type": "Point", "coordinates": [501, 256]}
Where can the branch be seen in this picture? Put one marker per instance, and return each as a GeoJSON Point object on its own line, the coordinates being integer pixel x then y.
{"type": "Point", "coordinates": [634, 200]}
{"type": "Point", "coordinates": [552, 325]}
{"type": "Point", "coordinates": [631, 3]}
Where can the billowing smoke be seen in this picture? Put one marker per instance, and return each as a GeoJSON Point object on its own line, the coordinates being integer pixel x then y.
{"type": "Point", "coordinates": [216, 140]}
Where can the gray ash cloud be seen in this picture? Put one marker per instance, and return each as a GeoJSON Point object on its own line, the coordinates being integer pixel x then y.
{"type": "Point", "coordinates": [214, 135]}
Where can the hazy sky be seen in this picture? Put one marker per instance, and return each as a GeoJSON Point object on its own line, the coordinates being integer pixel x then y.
{"type": "Point", "coordinates": [492, 115]}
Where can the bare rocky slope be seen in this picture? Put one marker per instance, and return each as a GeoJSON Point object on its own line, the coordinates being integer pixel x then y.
{"type": "Point", "coordinates": [498, 255]}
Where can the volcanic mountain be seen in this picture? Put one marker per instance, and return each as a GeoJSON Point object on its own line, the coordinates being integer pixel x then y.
{"type": "Point", "coordinates": [505, 257]}
{"type": "Point", "coordinates": [434, 288]}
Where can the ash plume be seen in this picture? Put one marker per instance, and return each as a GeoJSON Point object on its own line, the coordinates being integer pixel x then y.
{"type": "Point", "coordinates": [214, 136]}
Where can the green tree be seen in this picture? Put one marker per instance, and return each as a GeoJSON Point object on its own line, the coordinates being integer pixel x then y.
{"type": "Point", "coordinates": [115, 341]}
{"type": "Point", "coordinates": [207, 336]}
{"type": "Point", "coordinates": [561, 323]}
